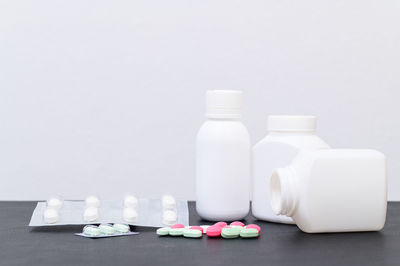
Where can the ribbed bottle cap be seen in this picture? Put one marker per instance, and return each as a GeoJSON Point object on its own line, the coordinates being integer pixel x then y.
{"type": "Point", "coordinates": [224, 104]}
{"type": "Point", "coordinates": [292, 123]}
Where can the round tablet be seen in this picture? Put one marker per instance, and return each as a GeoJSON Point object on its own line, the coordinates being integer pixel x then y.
{"type": "Point", "coordinates": [177, 231]}
{"type": "Point", "coordinates": [169, 217]}
{"type": "Point", "coordinates": [177, 226]}
{"type": "Point", "coordinates": [192, 233]}
{"type": "Point", "coordinates": [55, 203]}
{"type": "Point", "coordinates": [50, 216]}
{"type": "Point", "coordinates": [168, 202]}
{"type": "Point", "coordinates": [92, 201]}
{"type": "Point", "coordinates": [129, 215]}
{"type": "Point", "coordinates": [130, 201]}
{"type": "Point", "coordinates": [237, 223]}
{"type": "Point", "coordinates": [91, 230]}
{"type": "Point", "coordinates": [214, 231]}
{"type": "Point", "coordinates": [107, 229]}
{"type": "Point", "coordinates": [91, 214]}
{"type": "Point", "coordinates": [164, 231]}
{"type": "Point", "coordinates": [121, 228]}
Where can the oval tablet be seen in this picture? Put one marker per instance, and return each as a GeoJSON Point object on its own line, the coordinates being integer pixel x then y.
{"type": "Point", "coordinates": [129, 215]}
{"type": "Point", "coordinates": [92, 201]}
{"type": "Point", "coordinates": [121, 228]}
{"type": "Point", "coordinates": [50, 216]}
{"type": "Point", "coordinates": [130, 201]}
{"type": "Point", "coordinates": [178, 226]}
{"type": "Point", "coordinates": [192, 233]}
{"type": "Point", "coordinates": [164, 231]}
{"type": "Point", "coordinates": [254, 226]}
{"type": "Point", "coordinates": [214, 231]}
{"type": "Point", "coordinates": [177, 231]}
{"type": "Point", "coordinates": [91, 214]}
{"type": "Point", "coordinates": [107, 229]}
{"type": "Point", "coordinates": [249, 233]}
{"type": "Point", "coordinates": [168, 202]}
{"type": "Point", "coordinates": [91, 230]}
{"type": "Point", "coordinates": [221, 224]}
{"type": "Point", "coordinates": [55, 203]}
{"type": "Point", "coordinates": [230, 232]}
{"type": "Point", "coordinates": [196, 228]}
{"type": "Point", "coordinates": [237, 223]}
{"type": "Point", "coordinates": [169, 217]}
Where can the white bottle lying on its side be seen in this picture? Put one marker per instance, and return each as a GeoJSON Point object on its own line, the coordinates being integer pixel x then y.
{"type": "Point", "coordinates": [223, 159]}
{"type": "Point", "coordinates": [332, 190]}
{"type": "Point", "coordinates": [287, 136]}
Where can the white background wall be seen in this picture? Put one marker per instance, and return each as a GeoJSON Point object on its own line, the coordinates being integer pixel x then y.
{"type": "Point", "coordinates": [107, 96]}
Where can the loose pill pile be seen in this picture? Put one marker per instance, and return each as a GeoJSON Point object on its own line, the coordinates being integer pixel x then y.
{"type": "Point", "coordinates": [106, 230]}
{"type": "Point", "coordinates": [233, 230]}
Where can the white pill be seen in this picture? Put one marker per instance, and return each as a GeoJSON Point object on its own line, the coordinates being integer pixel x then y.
{"type": "Point", "coordinates": [168, 202]}
{"type": "Point", "coordinates": [91, 214]}
{"type": "Point", "coordinates": [129, 215]}
{"type": "Point", "coordinates": [130, 201]}
{"type": "Point", "coordinates": [121, 228]}
{"type": "Point", "coordinates": [91, 230]}
{"type": "Point", "coordinates": [50, 216]}
{"type": "Point", "coordinates": [92, 201]}
{"type": "Point", "coordinates": [55, 203]}
{"type": "Point", "coordinates": [169, 217]}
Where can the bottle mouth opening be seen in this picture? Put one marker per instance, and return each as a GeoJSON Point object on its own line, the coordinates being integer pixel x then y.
{"type": "Point", "coordinates": [276, 194]}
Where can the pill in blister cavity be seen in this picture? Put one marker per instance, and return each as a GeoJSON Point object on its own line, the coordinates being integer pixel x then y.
{"type": "Point", "coordinates": [107, 229]}
{"type": "Point", "coordinates": [249, 233]}
{"type": "Point", "coordinates": [130, 215]}
{"type": "Point", "coordinates": [254, 226]}
{"type": "Point", "coordinates": [221, 224]}
{"type": "Point", "coordinates": [91, 230]}
{"type": "Point", "coordinates": [237, 223]}
{"type": "Point", "coordinates": [121, 228]}
{"type": "Point", "coordinates": [214, 231]}
{"type": "Point", "coordinates": [54, 202]}
{"type": "Point", "coordinates": [192, 233]}
{"type": "Point", "coordinates": [164, 231]}
{"type": "Point", "coordinates": [177, 231]}
{"type": "Point", "coordinates": [177, 226]}
{"type": "Point", "coordinates": [231, 232]}
{"type": "Point", "coordinates": [196, 228]}
{"type": "Point", "coordinates": [91, 214]}
{"type": "Point", "coordinates": [130, 201]}
{"type": "Point", "coordinates": [205, 227]}
{"type": "Point", "coordinates": [168, 202]}
{"type": "Point", "coordinates": [50, 216]}
{"type": "Point", "coordinates": [92, 201]}
{"type": "Point", "coordinates": [169, 217]}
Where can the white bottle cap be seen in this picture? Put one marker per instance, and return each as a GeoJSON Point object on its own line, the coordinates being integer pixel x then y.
{"type": "Point", "coordinates": [224, 104]}
{"type": "Point", "coordinates": [292, 123]}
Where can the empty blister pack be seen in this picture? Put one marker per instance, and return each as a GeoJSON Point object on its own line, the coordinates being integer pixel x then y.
{"type": "Point", "coordinates": [144, 212]}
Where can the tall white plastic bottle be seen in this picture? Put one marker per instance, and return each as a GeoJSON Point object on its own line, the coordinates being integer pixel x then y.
{"type": "Point", "coordinates": [332, 190]}
{"type": "Point", "coordinates": [223, 159]}
{"type": "Point", "coordinates": [287, 136]}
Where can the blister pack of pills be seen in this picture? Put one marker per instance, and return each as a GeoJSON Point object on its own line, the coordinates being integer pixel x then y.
{"type": "Point", "coordinates": [106, 230]}
{"type": "Point", "coordinates": [131, 210]}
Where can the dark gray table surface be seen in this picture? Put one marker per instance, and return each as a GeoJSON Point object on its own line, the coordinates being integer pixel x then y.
{"type": "Point", "coordinates": [278, 245]}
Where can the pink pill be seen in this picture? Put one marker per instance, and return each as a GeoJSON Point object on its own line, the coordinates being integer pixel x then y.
{"type": "Point", "coordinates": [196, 228]}
{"type": "Point", "coordinates": [214, 231]}
{"type": "Point", "coordinates": [220, 224]}
{"type": "Point", "coordinates": [177, 226]}
{"type": "Point", "coordinates": [254, 226]}
{"type": "Point", "coordinates": [237, 223]}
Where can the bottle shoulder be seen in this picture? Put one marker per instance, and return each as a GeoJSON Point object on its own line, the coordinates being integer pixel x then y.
{"type": "Point", "coordinates": [223, 129]}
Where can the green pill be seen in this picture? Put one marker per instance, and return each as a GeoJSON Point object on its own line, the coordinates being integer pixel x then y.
{"type": "Point", "coordinates": [121, 228]}
{"type": "Point", "coordinates": [176, 231]}
{"type": "Point", "coordinates": [231, 232]}
{"type": "Point", "coordinates": [249, 233]}
{"type": "Point", "coordinates": [164, 231]}
{"type": "Point", "coordinates": [91, 230]}
{"type": "Point", "coordinates": [192, 233]}
{"type": "Point", "coordinates": [107, 229]}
